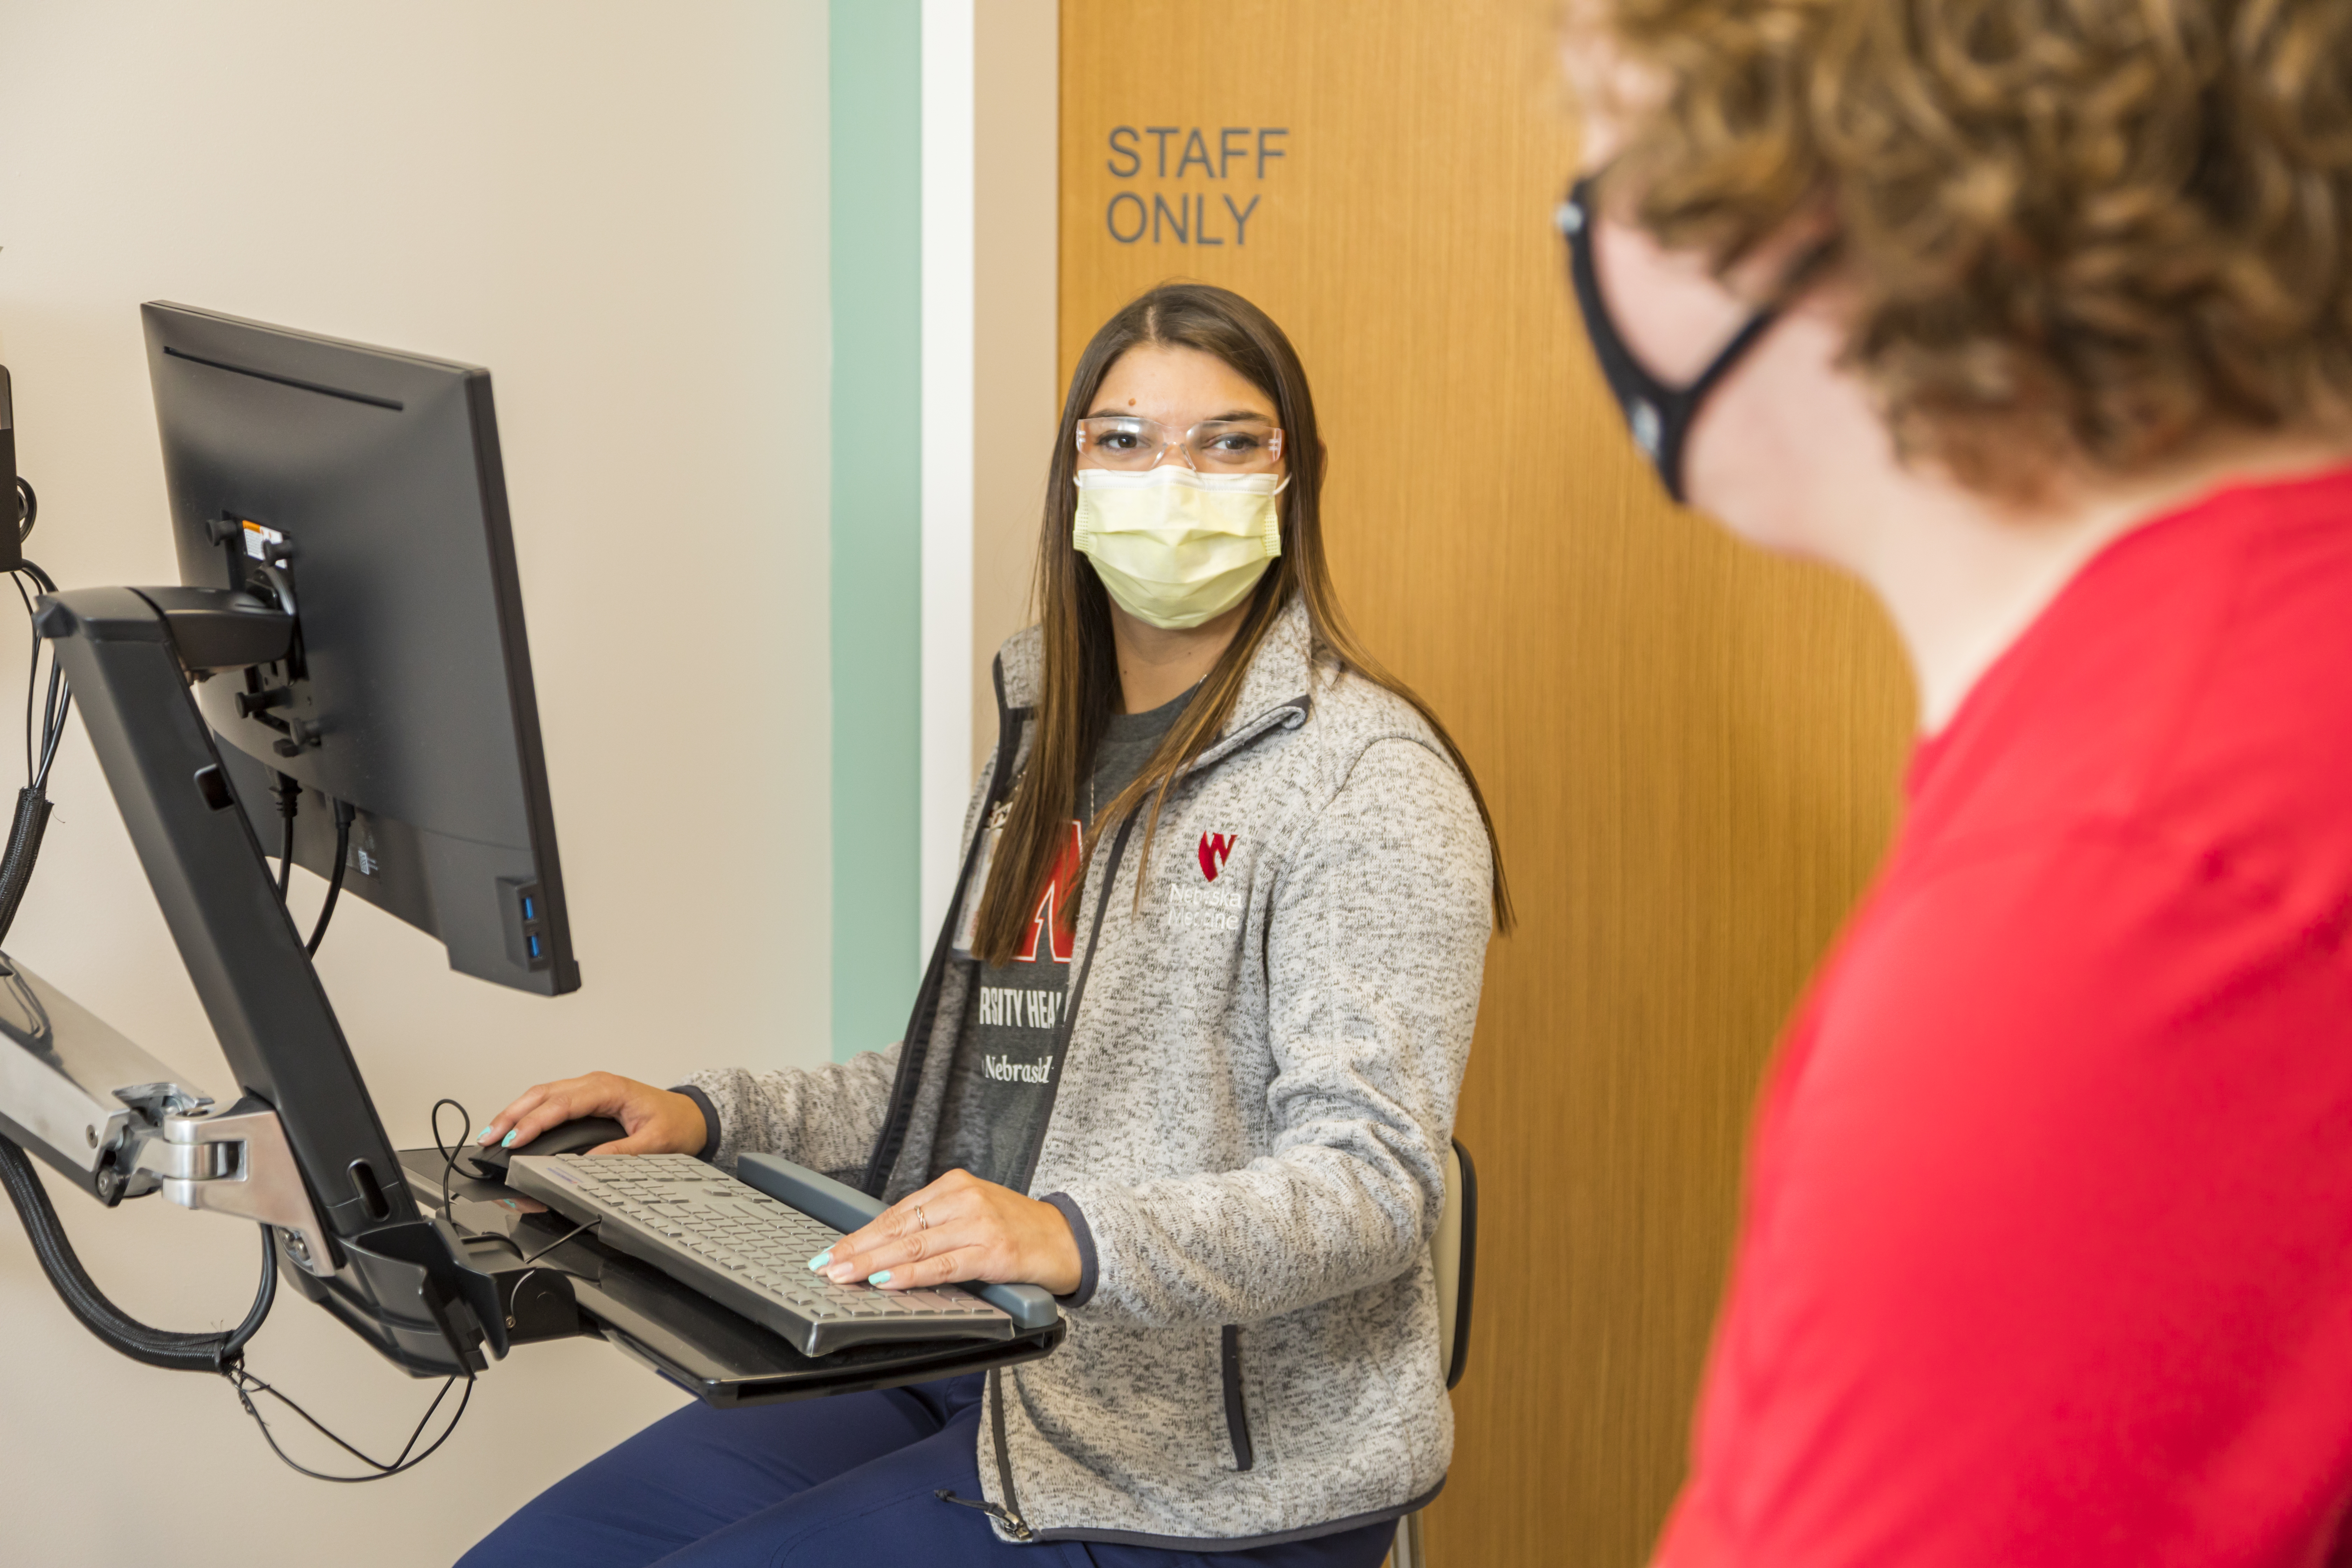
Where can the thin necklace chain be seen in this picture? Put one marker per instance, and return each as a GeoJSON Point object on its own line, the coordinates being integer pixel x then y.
{"type": "Point", "coordinates": [1094, 804]}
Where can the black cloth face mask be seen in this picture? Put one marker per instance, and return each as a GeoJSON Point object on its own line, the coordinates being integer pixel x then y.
{"type": "Point", "coordinates": [1659, 415]}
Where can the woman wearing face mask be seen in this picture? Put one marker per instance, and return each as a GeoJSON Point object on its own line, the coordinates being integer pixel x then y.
{"type": "Point", "coordinates": [2045, 1253]}
{"type": "Point", "coordinates": [1207, 990]}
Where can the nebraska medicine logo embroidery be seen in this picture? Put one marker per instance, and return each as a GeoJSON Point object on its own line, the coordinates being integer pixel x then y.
{"type": "Point", "coordinates": [1217, 848]}
{"type": "Point", "coordinates": [1199, 906]}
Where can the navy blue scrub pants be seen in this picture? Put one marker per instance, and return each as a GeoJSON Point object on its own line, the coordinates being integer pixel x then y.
{"type": "Point", "coordinates": [822, 1483]}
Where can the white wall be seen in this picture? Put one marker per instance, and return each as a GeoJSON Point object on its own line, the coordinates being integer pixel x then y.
{"type": "Point", "coordinates": [620, 209]}
{"type": "Point", "coordinates": [948, 27]}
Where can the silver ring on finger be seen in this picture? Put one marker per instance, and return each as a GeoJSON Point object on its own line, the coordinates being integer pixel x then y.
{"type": "Point", "coordinates": [921, 1223]}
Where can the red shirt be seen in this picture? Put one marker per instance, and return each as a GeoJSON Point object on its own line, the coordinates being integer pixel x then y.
{"type": "Point", "coordinates": [2047, 1253]}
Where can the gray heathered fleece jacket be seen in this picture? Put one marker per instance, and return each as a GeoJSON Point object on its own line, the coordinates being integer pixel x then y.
{"type": "Point", "coordinates": [1259, 1073]}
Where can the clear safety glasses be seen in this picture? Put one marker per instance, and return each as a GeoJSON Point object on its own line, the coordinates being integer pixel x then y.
{"type": "Point", "coordinates": [1211, 447]}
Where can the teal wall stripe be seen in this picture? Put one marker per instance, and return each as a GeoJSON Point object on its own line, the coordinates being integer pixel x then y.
{"type": "Point", "coordinates": [876, 592]}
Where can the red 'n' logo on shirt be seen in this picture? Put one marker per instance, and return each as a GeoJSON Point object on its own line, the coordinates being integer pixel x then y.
{"type": "Point", "coordinates": [1217, 848]}
{"type": "Point", "coordinates": [1053, 904]}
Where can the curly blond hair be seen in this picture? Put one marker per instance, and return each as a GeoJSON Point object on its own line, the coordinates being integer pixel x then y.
{"type": "Point", "coordinates": [2086, 230]}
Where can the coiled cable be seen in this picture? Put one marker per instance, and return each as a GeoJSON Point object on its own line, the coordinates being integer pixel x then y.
{"type": "Point", "coordinates": [168, 1348]}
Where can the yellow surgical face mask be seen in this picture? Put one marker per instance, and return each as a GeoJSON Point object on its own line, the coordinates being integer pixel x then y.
{"type": "Point", "coordinates": [1176, 548]}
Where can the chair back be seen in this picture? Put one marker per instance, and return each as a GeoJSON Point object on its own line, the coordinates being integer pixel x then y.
{"type": "Point", "coordinates": [1453, 1252]}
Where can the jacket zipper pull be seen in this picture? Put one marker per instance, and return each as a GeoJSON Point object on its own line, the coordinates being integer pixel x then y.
{"type": "Point", "coordinates": [1012, 1521]}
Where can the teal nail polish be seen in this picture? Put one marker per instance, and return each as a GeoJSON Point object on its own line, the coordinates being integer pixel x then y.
{"type": "Point", "coordinates": [507, 1141]}
{"type": "Point", "coordinates": [484, 1135]}
{"type": "Point", "coordinates": [821, 1260]}
{"type": "Point", "coordinates": [881, 1279]}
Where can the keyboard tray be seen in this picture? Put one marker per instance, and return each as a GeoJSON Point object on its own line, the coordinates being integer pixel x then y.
{"type": "Point", "coordinates": [582, 1287]}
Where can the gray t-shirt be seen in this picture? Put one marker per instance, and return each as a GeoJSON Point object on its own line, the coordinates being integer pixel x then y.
{"type": "Point", "coordinates": [1002, 1081]}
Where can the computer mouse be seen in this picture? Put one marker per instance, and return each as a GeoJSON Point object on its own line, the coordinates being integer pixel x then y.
{"type": "Point", "coordinates": [569, 1138]}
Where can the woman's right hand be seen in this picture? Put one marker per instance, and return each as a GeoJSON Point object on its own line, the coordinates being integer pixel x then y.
{"type": "Point", "coordinates": [658, 1121]}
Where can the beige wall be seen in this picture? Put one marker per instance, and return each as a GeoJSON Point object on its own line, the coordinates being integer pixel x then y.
{"type": "Point", "coordinates": [1017, 389]}
{"type": "Point", "coordinates": [621, 210]}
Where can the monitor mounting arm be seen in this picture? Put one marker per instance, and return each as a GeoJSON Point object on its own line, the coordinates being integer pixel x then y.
{"type": "Point", "coordinates": [302, 1150]}
{"type": "Point", "coordinates": [118, 1124]}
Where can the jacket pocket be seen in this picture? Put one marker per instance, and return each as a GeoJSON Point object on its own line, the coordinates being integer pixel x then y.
{"type": "Point", "coordinates": [1236, 1414]}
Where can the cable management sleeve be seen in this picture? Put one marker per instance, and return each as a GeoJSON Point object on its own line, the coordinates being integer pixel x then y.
{"type": "Point", "coordinates": [25, 830]}
{"type": "Point", "coordinates": [166, 1347]}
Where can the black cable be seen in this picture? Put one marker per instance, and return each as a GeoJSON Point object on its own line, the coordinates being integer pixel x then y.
{"type": "Point", "coordinates": [448, 1150]}
{"type": "Point", "coordinates": [53, 721]}
{"type": "Point", "coordinates": [567, 1235]}
{"type": "Point", "coordinates": [166, 1347]}
{"type": "Point", "coordinates": [343, 814]}
{"type": "Point", "coordinates": [29, 508]}
{"type": "Point", "coordinates": [32, 672]}
{"type": "Point", "coordinates": [58, 733]}
{"type": "Point", "coordinates": [289, 790]}
{"type": "Point", "coordinates": [247, 1385]}
{"type": "Point", "coordinates": [61, 699]}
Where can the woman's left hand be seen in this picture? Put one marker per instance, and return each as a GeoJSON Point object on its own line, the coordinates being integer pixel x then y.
{"type": "Point", "coordinates": [960, 1227]}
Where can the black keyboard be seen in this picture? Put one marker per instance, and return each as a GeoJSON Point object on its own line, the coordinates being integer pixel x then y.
{"type": "Point", "coordinates": [743, 1249]}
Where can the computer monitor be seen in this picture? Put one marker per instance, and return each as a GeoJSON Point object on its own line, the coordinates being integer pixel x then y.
{"type": "Point", "coordinates": [361, 489]}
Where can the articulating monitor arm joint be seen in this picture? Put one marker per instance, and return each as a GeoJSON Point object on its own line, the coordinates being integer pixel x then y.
{"type": "Point", "coordinates": [119, 1124]}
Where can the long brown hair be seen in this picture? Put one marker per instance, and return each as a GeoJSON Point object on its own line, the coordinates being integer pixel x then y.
{"type": "Point", "coordinates": [1081, 687]}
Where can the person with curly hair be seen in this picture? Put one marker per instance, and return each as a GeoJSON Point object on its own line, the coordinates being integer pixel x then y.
{"type": "Point", "coordinates": [2036, 317]}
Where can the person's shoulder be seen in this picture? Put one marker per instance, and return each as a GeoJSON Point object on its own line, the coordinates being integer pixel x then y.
{"type": "Point", "coordinates": [2193, 687]}
{"type": "Point", "coordinates": [1364, 747]}
{"type": "Point", "coordinates": [2256, 774]}
{"type": "Point", "coordinates": [2196, 680]}
{"type": "Point", "coordinates": [1021, 667]}
{"type": "Point", "coordinates": [1348, 712]}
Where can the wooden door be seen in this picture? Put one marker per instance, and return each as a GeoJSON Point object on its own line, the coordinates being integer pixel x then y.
{"type": "Point", "coordinates": [1691, 749]}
